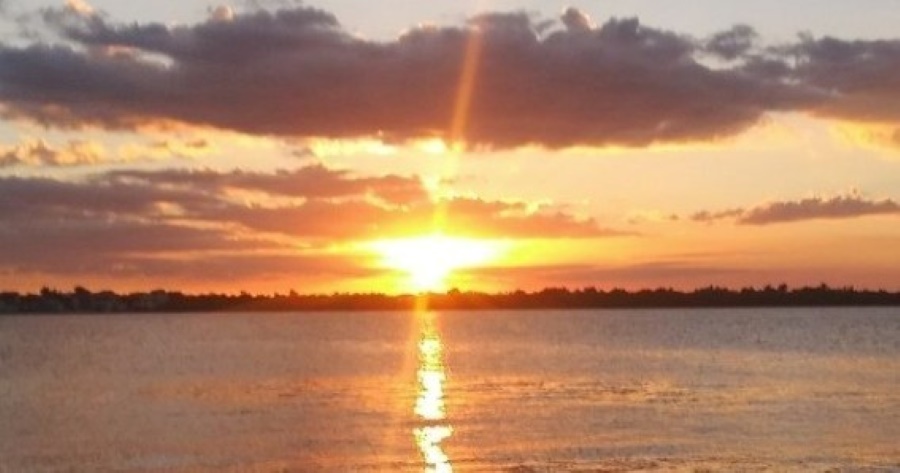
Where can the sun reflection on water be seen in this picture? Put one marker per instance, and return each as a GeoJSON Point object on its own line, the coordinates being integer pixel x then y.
{"type": "Point", "coordinates": [430, 405]}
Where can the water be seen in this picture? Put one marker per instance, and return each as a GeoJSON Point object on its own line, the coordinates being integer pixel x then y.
{"type": "Point", "coordinates": [656, 390]}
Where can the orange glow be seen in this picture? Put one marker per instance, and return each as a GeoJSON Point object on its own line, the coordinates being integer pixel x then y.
{"type": "Point", "coordinates": [432, 146]}
{"type": "Point", "coordinates": [428, 260]}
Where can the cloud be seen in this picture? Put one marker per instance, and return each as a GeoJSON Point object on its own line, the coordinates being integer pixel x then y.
{"type": "Point", "coordinates": [206, 268]}
{"type": "Point", "coordinates": [132, 251]}
{"type": "Point", "coordinates": [221, 13]}
{"type": "Point", "coordinates": [298, 72]}
{"type": "Point", "coordinates": [34, 199]}
{"type": "Point", "coordinates": [63, 241]}
{"type": "Point", "coordinates": [576, 20]}
{"type": "Point", "coordinates": [320, 203]}
{"type": "Point", "coordinates": [80, 7]}
{"type": "Point", "coordinates": [859, 76]}
{"type": "Point", "coordinates": [38, 152]}
{"type": "Point", "coordinates": [852, 205]}
{"type": "Point", "coordinates": [499, 219]}
{"type": "Point", "coordinates": [312, 182]}
{"type": "Point", "coordinates": [150, 223]}
{"type": "Point", "coordinates": [818, 208]}
{"type": "Point", "coordinates": [732, 44]}
{"type": "Point", "coordinates": [347, 219]}
{"type": "Point", "coordinates": [253, 267]}
{"type": "Point", "coordinates": [180, 148]}
{"type": "Point", "coordinates": [336, 204]}
{"type": "Point", "coordinates": [712, 216]}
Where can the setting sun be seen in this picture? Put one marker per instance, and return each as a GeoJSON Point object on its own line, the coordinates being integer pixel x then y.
{"type": "Point", "coordinates": [429, 260]}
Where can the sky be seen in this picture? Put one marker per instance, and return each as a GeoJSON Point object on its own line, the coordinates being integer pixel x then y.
{"type": "Point", "coordinates": [344, 146]}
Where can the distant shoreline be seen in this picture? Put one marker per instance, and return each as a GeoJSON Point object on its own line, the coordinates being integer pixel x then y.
{"type": "Point", "coordinates": [81, 300]}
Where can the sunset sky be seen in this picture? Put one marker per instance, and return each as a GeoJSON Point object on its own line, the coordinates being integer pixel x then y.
{"type": "Point", "coordinates": [395, 146]}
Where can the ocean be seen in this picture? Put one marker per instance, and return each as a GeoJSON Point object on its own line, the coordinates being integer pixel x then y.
{"type": "Point", "coordinates": [813, 389]}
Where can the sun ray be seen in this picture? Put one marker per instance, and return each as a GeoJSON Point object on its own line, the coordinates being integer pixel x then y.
{"type": "Point", "coordinates": [455, 138]}
{"type": "Point", "coordinates": [429, 260]}
{"type": "Point", "coordinates": [466, 88]}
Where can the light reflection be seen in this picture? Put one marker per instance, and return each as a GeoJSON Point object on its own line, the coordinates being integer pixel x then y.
{"type": "Point", "coordinates": [430, 404]}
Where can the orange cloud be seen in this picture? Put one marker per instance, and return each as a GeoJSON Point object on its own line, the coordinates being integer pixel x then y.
{"type": "Point", "coordinates": [148, 222]}
{"type": "Point", "coordinates": [37, 152]}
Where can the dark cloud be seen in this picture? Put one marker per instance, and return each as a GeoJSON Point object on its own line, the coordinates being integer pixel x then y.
{"type": "Point", "coordinates": [33, 199]}
{"type": "Point", "coordinates": [297, 72]}
{"type": "Point", "coordinates": [60, 226]}
{"type": "Point", "coordinates": [91, 244]}
{"type": "Point", "coordinates": [862, 78]}
{"type": "Point", "coordinates": [183, 253]}
{"type": "Point", "coordinates": [732, 44]}
{"type": "Point", "coordinates": [710, 216]}
{"type": "Point", "coordinates": [818, 208]}
{"type": "Point", "coordinates": [313, 181]}
{"type": "Point", "coordinates": [225, 268]}
{"type": "Point", "coordinates": [209, 269]}
{"type": "Point", "coordinates": [839, 207]}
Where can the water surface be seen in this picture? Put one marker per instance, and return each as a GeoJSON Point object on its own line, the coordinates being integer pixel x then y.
{"type": "Point", "coordinates": [654, 390]}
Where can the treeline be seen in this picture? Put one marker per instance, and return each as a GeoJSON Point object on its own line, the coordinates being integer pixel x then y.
{"type": "Point", "coordinates": [82, 300]}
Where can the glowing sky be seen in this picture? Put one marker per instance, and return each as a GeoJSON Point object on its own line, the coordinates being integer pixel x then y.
{"type": "Point", "coordinates": [269, 146]}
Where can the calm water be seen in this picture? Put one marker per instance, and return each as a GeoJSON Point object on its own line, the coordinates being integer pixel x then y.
{"type": "Point", "coordinates": [657, 390]}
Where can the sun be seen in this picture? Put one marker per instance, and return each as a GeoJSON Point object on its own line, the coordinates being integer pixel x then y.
{"type": "Point", "coordinates": [429, 260]}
